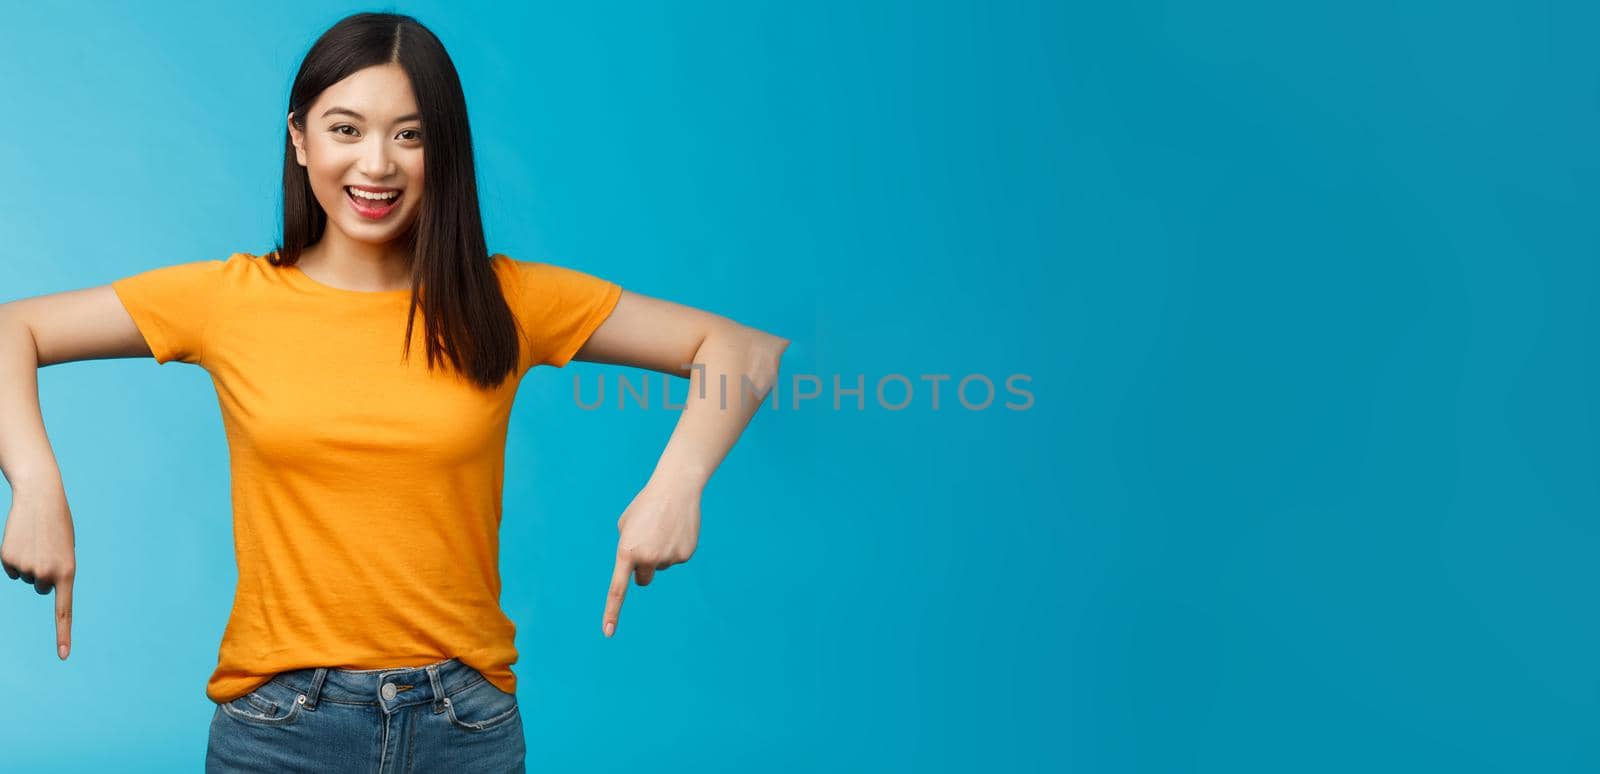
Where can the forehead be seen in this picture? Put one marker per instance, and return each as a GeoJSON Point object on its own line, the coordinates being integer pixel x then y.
{"type": "Point", "coordinates": [378, 93]}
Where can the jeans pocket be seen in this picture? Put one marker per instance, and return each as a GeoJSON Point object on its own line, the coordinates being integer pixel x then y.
{"type": "Point", "coordinates": [481, 706]}
{"type": "Point", "coordinates": [271, 704]}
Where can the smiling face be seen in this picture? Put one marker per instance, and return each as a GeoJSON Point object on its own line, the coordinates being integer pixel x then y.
{"type": "Point", "coordinates": [364, 132]}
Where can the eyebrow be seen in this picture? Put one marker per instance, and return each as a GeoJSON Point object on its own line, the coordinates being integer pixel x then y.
{"type": "Point", "coordinates": [359, 117]}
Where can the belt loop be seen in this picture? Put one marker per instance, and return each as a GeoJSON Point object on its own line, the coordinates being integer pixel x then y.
{"type": "Point", "coordinates": [438, 688]}
{"type": "Point", "coordinates": [316, 688]}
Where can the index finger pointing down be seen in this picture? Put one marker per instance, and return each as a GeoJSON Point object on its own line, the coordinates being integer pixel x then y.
{"type": "Point", "coordinates": [619, 589]}
{"type": "Point", "coordinates": [64, 617]}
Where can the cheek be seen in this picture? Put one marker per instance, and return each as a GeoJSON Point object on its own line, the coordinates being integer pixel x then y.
{"type": "Point", "coordinates": [419, 182]}
{"type": "Point", "coordinates": [415, 190]}
{"type": "Point", "coordinates": [327, 179]}
{"type": "Point", "coordinates": [323, 174]}
{"type": "Point", "coordinates": [330, 192]}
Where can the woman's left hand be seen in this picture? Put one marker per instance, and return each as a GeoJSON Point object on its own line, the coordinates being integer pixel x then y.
{"type": "Point", "coordinates": [658, 529]}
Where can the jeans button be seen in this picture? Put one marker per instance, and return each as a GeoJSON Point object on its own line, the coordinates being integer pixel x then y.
{"type": "Point", "coordinates": [389, 691]}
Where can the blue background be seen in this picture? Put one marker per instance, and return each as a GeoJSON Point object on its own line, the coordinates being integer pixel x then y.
{"type": "Point", "coordinates": [1305, 291]}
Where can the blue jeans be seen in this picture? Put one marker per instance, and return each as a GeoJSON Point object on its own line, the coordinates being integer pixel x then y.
{"type": "Point", "coordinates": [443, 716]}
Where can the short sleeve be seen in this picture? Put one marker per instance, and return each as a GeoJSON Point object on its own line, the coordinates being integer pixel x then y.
{"type": "Point", "coordinates": [171, 305]}
{"type": "Point", "coordinates": [558, 308]}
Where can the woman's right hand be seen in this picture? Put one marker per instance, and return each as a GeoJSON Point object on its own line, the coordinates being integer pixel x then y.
{"type": "Point", "coordinates": [38, 550]}
{"type": "Point", "coordinates": [73, 325]}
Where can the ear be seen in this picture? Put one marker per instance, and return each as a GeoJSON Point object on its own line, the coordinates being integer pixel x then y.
{"type": "Point", "coordinates": [299, 139]}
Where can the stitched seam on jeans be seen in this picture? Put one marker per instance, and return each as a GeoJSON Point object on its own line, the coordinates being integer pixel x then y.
{"type": "Point", "coordinates": [411, 739]}
{"type": "Point", "coordinates": [482, 725]}
{"type": "Point", "coordinates": [227, 707]}
{"type": "Point", "coordinates": [324, 696]}
{"type": "Point", "coordinates": [266, 706]}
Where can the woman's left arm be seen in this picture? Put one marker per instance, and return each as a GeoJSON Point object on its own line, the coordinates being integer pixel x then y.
{"type": "Point", "coordinates": [730, 368]}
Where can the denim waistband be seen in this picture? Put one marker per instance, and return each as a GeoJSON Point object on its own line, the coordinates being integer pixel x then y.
{"type": "Point", "coordinates": [390, 688]}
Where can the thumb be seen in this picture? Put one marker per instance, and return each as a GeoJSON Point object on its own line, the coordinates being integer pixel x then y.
{"type": "Point", "coordinates": [64, 618]}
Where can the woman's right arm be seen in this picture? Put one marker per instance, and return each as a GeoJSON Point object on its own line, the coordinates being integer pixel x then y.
{"type": "Point", "coordinates": [86, 324]}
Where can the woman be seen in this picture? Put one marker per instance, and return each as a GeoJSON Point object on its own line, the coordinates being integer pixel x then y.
{"type": "Point", "coordinates": [366, 483]}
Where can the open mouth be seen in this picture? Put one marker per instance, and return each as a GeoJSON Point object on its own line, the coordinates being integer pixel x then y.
{"type": "Point", "coordinates": [372, 208]}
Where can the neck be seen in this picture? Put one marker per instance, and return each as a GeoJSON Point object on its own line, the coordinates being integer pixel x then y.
{"type": "Point", "coordinates": [355, 265]}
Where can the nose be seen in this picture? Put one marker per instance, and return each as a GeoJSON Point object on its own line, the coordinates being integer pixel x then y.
{"type": "Point", "coordinates": [375, 163]}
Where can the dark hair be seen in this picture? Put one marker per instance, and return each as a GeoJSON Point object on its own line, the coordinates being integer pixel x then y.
{"type": "Point", "coordinates": [465, 315]}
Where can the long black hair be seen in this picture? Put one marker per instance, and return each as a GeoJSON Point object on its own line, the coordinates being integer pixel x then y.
{"type": "Point", "coordinates": [465, 315]}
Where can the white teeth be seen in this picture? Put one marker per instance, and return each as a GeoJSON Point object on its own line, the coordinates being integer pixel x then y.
{"type": "Point", "coordinates": [373, 196]}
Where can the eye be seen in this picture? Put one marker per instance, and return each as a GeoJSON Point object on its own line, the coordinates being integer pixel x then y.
{"type": "Point", "coordinates": [336, 129]}
{"type": "Point", "coordinates": [415, 132]}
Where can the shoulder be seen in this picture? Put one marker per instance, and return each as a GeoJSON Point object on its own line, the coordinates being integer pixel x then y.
{"type": "Point", "coordinates": [245, 262]}
{"type": "Point", "coordinates": [187, 276]}
{"type": "Point", "coordinates": [524, 270]}
{"type": "Point", "coordinates": [234, 264]}
{"type": "Point", "coordinates": [246, 269]}
{"type": "Point", "coordinates": [542, 278]}
{"type": "Point", "coordinates": [238, 269]}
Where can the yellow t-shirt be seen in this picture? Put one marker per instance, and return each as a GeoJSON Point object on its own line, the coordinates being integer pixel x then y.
{"type": "Point", "coordinates": [366, 491]}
